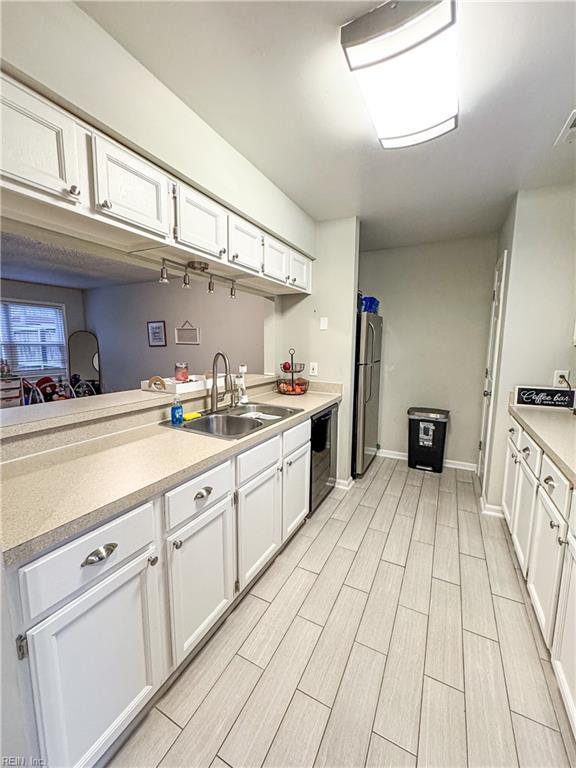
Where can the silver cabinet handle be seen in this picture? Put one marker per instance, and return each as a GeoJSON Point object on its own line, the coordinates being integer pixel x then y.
{"type": "Point", "coordinates": [153, 560]}
{"type": "Point", "coordinates": [100, 554]}
{"type": "Point", "coordinates": [74, 190]}
{"type": "Point", "coordinates": [289, 462]}
{"type": "Point", "coordinates": [549, 483]}
{"type": "Point", "coordinates": [222, 252]}
{"type": "Point", "coordinates": [235, 256]}
{"type": "Point", "coordinates": [106, 204]}
{"type": "Point", "coordinates": [177, 544]}
{"type": "Point", "coordinates": [526, 451]}
{"type": "Point", "coordinates": [287, 278]}
{"type": "Point", "coordinates": [203, 493]}
{"type": "Point", "coordinates": [487, 393]}
{"type": "Point", "coordinates": [293, 279]}
{"type": "Point", "coordinates": [512, 430]}
{"type": "Point", "coordinates": [279, 469]}
{"type": "Point", "coordinates": [562, 541]}
{"type": "Point", "coordinates": [554, 525]}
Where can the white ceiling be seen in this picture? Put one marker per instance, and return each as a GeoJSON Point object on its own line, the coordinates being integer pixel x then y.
{"type": "Point", "coordinates": [271, 78]}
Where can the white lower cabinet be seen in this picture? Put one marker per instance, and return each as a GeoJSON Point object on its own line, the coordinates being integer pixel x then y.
{"type": "Point", "coordinates": [94, 664]}
{"type": "Point", "coordinates": [545, 564]}
{"type": "Point", "coordinates": [259, 522]}
{"type": "Point", "coordinates": [510, 477]}
{"type": "Point", "coordinates": [295, 489]}
{"type": "Point", "coordinates": [564, 647]}
{"type": "Point", "coordinates": [522, 517]}
{"type": "Point", "coordinates": [201, 568]}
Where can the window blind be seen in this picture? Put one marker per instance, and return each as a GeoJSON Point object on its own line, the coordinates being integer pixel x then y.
{"type": "Point", "coordinates": [33, 338]}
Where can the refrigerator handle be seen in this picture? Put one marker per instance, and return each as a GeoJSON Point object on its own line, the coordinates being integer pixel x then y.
{"type": "Point", "coordinates": [371, 327]}
{"type": "Point", "coordinates": [370, 395]}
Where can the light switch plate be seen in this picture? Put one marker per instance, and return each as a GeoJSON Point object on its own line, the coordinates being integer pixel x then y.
{"type": "Point", "coordinates": [313, 369]}
{"type": "Point", "coordinates": [323, 323]}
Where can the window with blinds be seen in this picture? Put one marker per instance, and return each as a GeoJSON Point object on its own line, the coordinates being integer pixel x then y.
{"type": "Point", "coordinates": [33, 338]}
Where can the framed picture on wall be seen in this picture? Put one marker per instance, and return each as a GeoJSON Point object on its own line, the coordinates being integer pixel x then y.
{"type": "Point", "coordinates": [156, 333]}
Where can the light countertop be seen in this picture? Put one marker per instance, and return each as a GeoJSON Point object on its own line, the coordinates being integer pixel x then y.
{"type": "Point", "coordinates": [554, 430]}
{"type": "Point", "coordinates": [51, 497]}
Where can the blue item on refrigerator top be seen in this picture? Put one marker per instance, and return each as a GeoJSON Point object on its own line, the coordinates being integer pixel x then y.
{"type": "Point", "coordinates": [370, 304]}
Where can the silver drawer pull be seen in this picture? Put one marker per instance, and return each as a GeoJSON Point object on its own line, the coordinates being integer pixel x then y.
{"type": "Point", "coordinates": [100, 554]}
{"type": "Point", "coordinates": [177, 544]}
{"type": "Point", "coordinates": [512, 430]}
{"type": "Point", "coordinates": [289, 462]}
{"type": "Point", "coordinates": [554, 525]}
{"type": "Point", "coordinates": [203, 493]}
{"type": "Point", "coordinates": [526, 451]}
{"type": "Point", "coordinates": [106, 204]}
{"type": "Point", "coordinates": [549, 483]}
{"type": "Point", "coordinates": [562, 541]}
{"type": "Point", "coordinates": [74, 190]}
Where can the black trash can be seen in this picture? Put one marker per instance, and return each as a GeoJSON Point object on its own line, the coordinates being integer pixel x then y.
{"type": "Point", "coordinates": [426, 438]}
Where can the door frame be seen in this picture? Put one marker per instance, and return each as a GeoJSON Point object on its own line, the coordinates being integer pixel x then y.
{"type": "Point", "coordinates": [494, 344]}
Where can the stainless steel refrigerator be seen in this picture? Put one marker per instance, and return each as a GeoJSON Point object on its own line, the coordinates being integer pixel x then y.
{"type": "Point", "coordinates": [366, 391]}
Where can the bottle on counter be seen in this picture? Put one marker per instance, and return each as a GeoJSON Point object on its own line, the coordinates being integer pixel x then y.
{"type": "Point", "coordinates": [177, 412]}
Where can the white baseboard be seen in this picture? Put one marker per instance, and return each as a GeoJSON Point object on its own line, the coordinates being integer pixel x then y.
{"type": "Point", "coordinates": [345, 485]}
{"type": "Point", "coordinates": [491, 509]}
{"type": "Point", "coordinates": [448, 463]}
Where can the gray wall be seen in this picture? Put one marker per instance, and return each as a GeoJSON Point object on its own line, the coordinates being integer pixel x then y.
{"type": "Point", "coordinates": [435, 301]}
{"type": "Point", "coordinates": [118, 316]}
{"type": "Point", "coordinates": [72, 299]}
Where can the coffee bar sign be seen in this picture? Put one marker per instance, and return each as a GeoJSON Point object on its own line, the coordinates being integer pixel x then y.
{"type": "Point", "coordinates": [545, 397]}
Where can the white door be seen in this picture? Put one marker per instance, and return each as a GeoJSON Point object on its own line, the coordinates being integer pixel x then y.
{"type": "Point", "coordinates": [95, 663]}
{"type": "Point", "coordinates": [259, 523]}
{"type": "Point", "coordinates": [201, 223]}
{"type": "Point", "coordinates": [510, 477]}
{"type": "Point", "coordinates": [300, 271]}
{"type": "Point", "coordinates": [276, 259]}
{"type": "Point", "coordinates": [245, 243]}
{"type": "Point", "coordinates": [563, 654]}
{"type": "Point", "coordinates": [295, 489]}
{"type": "Point", "coordinates": [202, 571]}
{"type": "Point", "coordinates": [130, 189]}
{"type": "Point", "coordinates": [491, 370]}
{"type": "Point", "coordinates": [38, 144]}
{"type": "Point", "coordinates": [545, 563]}
{"type": "Point", "coordinates": [523, 514]}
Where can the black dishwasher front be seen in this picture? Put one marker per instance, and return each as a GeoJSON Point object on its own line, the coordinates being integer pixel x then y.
{"type": "Point", "coordinates": [324, 455]}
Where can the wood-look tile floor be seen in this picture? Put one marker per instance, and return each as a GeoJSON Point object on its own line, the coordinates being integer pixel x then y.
{"type": "Point", "coordinates": [394, 630]}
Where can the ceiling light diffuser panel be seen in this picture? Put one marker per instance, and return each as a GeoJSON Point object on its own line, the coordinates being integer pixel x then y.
{"type": "Point", "coordinates": [403, 55]}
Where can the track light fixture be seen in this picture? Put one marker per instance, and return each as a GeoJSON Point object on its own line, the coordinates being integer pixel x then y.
{"type": "Point", "coordinates": [163, 273]}
{"type": "Point", "coordinates": [186, 279]}
{"type": "Point", "coordinates": [233, 290]}
{"type": "Point", "coordinates": [210, 285]}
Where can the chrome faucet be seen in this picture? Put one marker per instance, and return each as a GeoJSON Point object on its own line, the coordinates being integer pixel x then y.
{"type": "Point", "coordinates": [216, 398]}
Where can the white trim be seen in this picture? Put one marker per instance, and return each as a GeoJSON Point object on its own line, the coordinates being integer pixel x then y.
{"type": "Point", "coordinates": [447, 463]}
{"type": "Point", "coordinates": [345, 485]}
{"type": "Point", "coordinates": [491, 509]}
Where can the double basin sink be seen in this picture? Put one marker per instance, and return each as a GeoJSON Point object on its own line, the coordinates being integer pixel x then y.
{"type": "Point", "coordinates": [239, 421]}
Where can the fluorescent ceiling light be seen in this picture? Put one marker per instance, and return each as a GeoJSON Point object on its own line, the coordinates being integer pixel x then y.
{"type": "Point", "coordinates": [406, 70]}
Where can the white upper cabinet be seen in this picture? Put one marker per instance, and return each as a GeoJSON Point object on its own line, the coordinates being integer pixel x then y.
{"type": "Point", "coordinates": [276, 259]}
{"type": "Point", "coordinates": [295, 489]}
{"type": "Point", "coordinates": [300, 271]}
{"type": "Point", "coordinates": [130, 189]}
{"type": "Point", "coordinates": [201, 574]}
{"type": "Point", "coordinates": [94, 664]}
{"type": "Point", "coordinates": [38, 145]}
{"type": "Point", "coordinates": [201, 223]}
{"type": "Point", "coordinates": [245, 243]}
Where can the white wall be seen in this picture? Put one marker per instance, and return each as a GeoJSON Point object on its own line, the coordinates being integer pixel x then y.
{"type": "Point", "coordinates": [71, 298]}
{"type": "Point", "coordinates": [540, 309]}
{"type": "Point", "coordinates": [297, 322]}
{"type": "Point", "coordinates": [435, 301]}
{"type": "Point", "coordinates": [118, 315]}
{"type": "Point", "coordinates": [58, 49]}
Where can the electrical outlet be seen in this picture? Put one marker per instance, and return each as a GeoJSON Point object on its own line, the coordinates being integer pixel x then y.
{"type": "Point", "coordinates": [313, 369]}
{"type": "Point", "coordinates": [558, 382]}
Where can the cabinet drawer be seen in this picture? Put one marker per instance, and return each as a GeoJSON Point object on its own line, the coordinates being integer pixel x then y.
{"type": "Point", "coordinates": [556, 486]}
{"type": "Point", "coordinates": [256, 460]}
{"type": "Point", "coordinates": [514, 431]}
{"type": "Point", "coordinates": [193, 497]}
{"type": "Point", "coordinates": [52, 578]}
{"type": "Point", "coordinates": [295, 437]}
{"type": "Point", "coordinates": [530, 452]}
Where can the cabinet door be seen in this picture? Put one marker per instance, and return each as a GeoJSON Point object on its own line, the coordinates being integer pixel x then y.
{"type": "Point", "coordinates": [510, 477]}
{"type": "Point", "coordinates": [130, 189]}
{"type": "Point", "coordinates": [545, 564]}
{"type": "Point", "coordinates": [295, 489]}
{"type": "Point", "coordinates": [523, 514]}
{"type": "Point", "coordinates": [259, 523]}
{"type": "Point", "coordinates": [38, 144]}
{"type": "Point", "coordinates": [201, 223]}
{"type": "Point", "coordinates": [300, 271]}
{"type": "Point", "coordinates": [276, 259]}
{"type": "Point", "coordinates": [245, 243]}
{"type": "Point", "coordinates": [95, 663]}
{"type": "Point", "coordinates": [563, 655]}
{"type": "Point", "coordinates": [201, 574]}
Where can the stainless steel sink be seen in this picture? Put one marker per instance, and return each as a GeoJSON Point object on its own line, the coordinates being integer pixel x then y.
{"type": "Point", "coordinates": [223, 425]}
{"type": "Point", "coordinates": [252, 409]}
